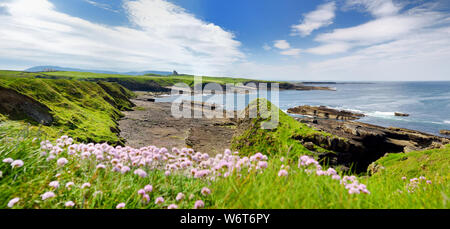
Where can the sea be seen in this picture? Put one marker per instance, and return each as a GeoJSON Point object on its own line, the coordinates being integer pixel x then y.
{"type": "Point", "coordinates": [427, 103]}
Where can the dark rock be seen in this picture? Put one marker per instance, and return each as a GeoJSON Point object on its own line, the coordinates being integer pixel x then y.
{"type": "Point", "coordinates": [151, 100]}
{"type": "Point", "coordinates": [401, 114]}
{"type": "Point", "coordinates": [309, 145]}
{"type": "Point", "coordinates": [19, 107]}
{"type": "Point", "coordinates": [325, 112]}
{"type": "Point", "coordinates": [445, 132]}
{"type": "Point", "coordinates": [358, 144]}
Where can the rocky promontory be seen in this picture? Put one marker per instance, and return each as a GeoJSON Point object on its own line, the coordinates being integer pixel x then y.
{"type": "Point", "coordinates": [303, 87]}
{"type": "Point", "coordinates": [325, 112]}
{"type": "Point", "coordinates": [364, 143]}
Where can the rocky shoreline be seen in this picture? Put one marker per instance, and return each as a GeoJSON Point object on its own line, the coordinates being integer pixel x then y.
{"type": "Point", "coordinates": [325, 112]}
{"type": "Point", "coordinates": [353, 142]}
{"type": "Point", "coordinates": [360, 142]}
{"type": "Point", "coordinates": [151, 123]}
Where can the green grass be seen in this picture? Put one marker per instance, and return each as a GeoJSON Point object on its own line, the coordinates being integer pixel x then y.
{"type": "Point", "coordinates": [430, 163]}
{"type": "Point", "coordinates": [250, 137]}
{"type": "Point", "coordinates": [163, 81]}
{"type": "Point", "coordinates": [86, 110]}
{"type": "Point", "coordinates": [253, 190]}
{"type": "Point", "coordinates": [185, 78]}
{"type": "Point", "coordinates": [302, 191]}
{"type": "Point", "coordinates": [31, 181]}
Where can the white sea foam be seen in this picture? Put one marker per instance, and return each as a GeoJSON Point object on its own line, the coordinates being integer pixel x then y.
{"type": "Point", "coordinates": [381, 114]}
{"type": "Point", "coordinates": [446, 121]}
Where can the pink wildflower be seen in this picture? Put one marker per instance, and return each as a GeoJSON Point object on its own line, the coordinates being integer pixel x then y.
{"type": "Point", "coordinates": [172, 206]}
{"type": "Point", "coordinates": [125, 169]}
{"type": "Point", "coordinates": [205, 191]}
{"type": "Point", "coordinates": [180, 196]}
{"type": "Point", "coordinates": [8, 160]}
{"type": "Point", "coordinates": [12, 202]}
{"type": "Point", "coordinates": [146, 197]}
{"type": "Point", "coordinates": [283, 173]}
{"type": "Point", "coordinates": [120, 206]}
{"type": "Point", "coordinates": [17, 163]}
{"type": "Point", "coordinates": [148, 188]}
{"type": "Point", "coordinates": [262, 164]}
{"type": "Point", "coordinates": [54, 184]}
{"type": "Point", "coordinates": [62, 161]}
{"type": "Point", "coordinates": [48, 195]}
{"type": "Point", "coordinates": [69, 204]}
{"type": "Point", "coordinates": [159, 200]}
{"type": "Point", "coordinates": [140, 172]}
{"type": "Point", "coordinates": [141, 192]}
{"type": "Point", "coordinates": [85, 185]}
{"type": "Point", "coordinates": [336, 177]}
{"type": "Point", "coordinates": [199, 204]}
{"type": "Point", "coordinates": [69, 184]}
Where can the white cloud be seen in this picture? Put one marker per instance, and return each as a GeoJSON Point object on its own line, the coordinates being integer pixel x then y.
{"type": "Point", "coordinates": [267, 47]}
{"type": "Point", "coordinates": [101, 5]}
{"type": "Point", "coordinates": [165, 36]}
{"type": "Point", "coordinates": [281, 44]}
{"type": "Point", "coordinates": [291, 52]}
{"type": "Point", "coordinates": [385, 28]}
{"type": "Point", "coordinates": [286, 49]}
{"type": "Point", "coordinates": [378, 8]}
{"type": "Point", "coordinates": [419, 57]}
{"type": "Point", "coordinates": [379, 30]}
{"type": "Point", "coordinates": [327, 49]}
{"type": "Point", "coordinates": [321, 17]}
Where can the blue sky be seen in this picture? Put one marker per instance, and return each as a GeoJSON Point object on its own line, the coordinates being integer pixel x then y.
{"type": "Point", "coordinates": [266, 39]}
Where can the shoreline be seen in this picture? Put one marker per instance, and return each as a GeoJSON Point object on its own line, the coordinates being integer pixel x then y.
{"type": "Point", "coordinates": [152, 123]}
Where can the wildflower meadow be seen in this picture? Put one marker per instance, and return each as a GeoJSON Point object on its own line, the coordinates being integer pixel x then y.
{"type": "Point", "coordinates": [65, 174]}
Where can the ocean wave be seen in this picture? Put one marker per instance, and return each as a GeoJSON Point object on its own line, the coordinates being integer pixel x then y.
{"type": "Point", "coordinates": [381, 114]}
{"type": "Point", "coordinates": [446, 121]}
{"type": "Point", "coordinates": [348, 109]}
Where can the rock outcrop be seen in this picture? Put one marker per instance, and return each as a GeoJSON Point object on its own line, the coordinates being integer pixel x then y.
{"type": "Point", "coordinates": [325, 112]}
{"type": "Point", "coordinates": [401, 114]}
{"type": "Point", "coordinates": [302, 87]}
{"type": "Point", "coordinates": [445, 132]}
{"type": "Point", "coordinates": [359, 144]}
{"type": "Point", "coordinates": [18, 107]}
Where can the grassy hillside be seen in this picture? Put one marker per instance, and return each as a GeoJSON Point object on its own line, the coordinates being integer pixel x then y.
{"type": "Point", "coordinates": [429, 163]}
{"type": "Point", "coordinates": [250, 137]}
{"type": "Point", "coordinates": [86, 110]}
{"type": "Point", "coordinates": [147, 82]}
{"type": "Point", "coordinates": [395, 187]}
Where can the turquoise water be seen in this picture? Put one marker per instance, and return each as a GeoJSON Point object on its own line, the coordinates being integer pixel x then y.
{"type": "Point", "coordinates": [428, 103]}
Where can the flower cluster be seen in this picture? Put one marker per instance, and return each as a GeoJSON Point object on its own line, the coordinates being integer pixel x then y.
{"type": "Point", "coordinates": [415, 183]}
{"type": "Point", "coordinates": [13, 163]}
{"type": "Point", "coordinates": [139, 161]}
{"type": "Point", "coordinates": [310, 165]}
{"type": "Point", "coordinates": [146, 160]}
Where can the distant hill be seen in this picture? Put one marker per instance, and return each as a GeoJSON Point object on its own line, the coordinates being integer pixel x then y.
{"type": "Point", "coordinates": [57, 68]}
